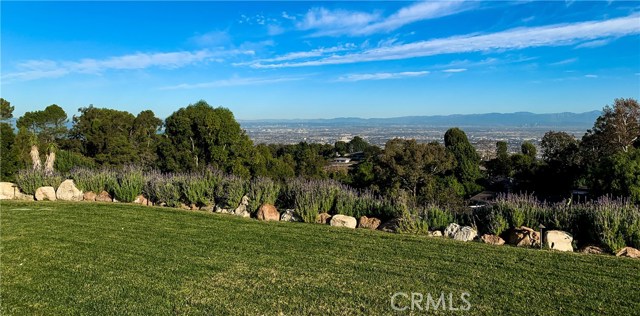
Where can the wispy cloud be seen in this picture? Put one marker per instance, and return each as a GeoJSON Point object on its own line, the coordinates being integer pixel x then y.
{"type": "Point", "coordinates": [519, 38]}
{"type": "Point", "coordinates": [455, 70]}
{"type": "Point", "coordinates": [37, 69]}
{"type": "Point", "coordinates": [596, 43]}
{"type": "Point", "coordinates": [382, 75]}
{"type": "Point", "coordinates": [342, 22]}
{"type": "Point", "coordinates": [209, 39]}
{"type": "Point", "coordinates": [564, 62]}
{"type": "Point", "coordinates": [591, 76]}
{"type": "Point", "coordinates": [318, 52]}
{"type": "Point", "coordinates": [229, 83]}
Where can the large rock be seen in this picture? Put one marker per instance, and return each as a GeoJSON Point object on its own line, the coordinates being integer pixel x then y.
{"type": "Point", "coordinates": [268, 212]}
{"type": "Point", "coordinates": [465, 233]}
{"type": "Point", "coordinates": [323, 218]}
{"type": "Point", "coordinates": [340, 220]}
{"type": "Point", "coordinates": [451, 230]}
{"type": "Point", "coordinates": [45, 193]}
{"type": "Point", "coordinates": [558, 240]}
{"type": "Point", "coordinates": [89, 196]}
{"type": "Point", "coordinates": [67, 191]}
{"type": "Point", "coordinates": [492, 240]}
{"type": "Point", "coordinates": [140, 199]}
{"type": "Point", "coordinates": [242, 211]}
{"type": "Point", "coordinates": [218, 209]}
{"type": "Point", "coordinates": [390, 226]}
{"type": "Point", "coordinates": [523, 237]}
{"type": "Point", "coordinates": [208, 208]}
{"type": "Point", "coordinates": [368, 222]}
{"type": "Point", "coordinates": [10, 191]}
{"type": "Point", "coordinates": [104, 196]}
{"type": "Point", "coordinates": [435, 233]}
{"type": "Point", "coordinates": [628, 252]}
{"type": "Point", "coordinates": [290, 216]}
{"type": "Point", "coordinates": [594, 250]}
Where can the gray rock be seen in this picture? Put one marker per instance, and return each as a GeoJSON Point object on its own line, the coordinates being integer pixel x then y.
{"type": "Point", "coordinates": [451, 230]}
{"type": "Point", "coordinates": [558, 240]}
{"type": "Point", "coordinates": [46, 193]}
{"type": "Point", "coordinates": [465, 233]}
{"type": "Point", "coordinates": [242, 210]}
{"type": "Point", "coordinates": [67, 191]}
{"type": "Point", "coordinates": [340, 220]}
{"type": "Point", "coordinates": [290, 216]}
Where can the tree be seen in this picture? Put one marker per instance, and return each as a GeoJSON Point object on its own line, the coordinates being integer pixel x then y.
{"type": "Point", "coordinates": [617, 129]}
{"type": "Point", "coordinates": [468, 161]}
{"type": "Point", "coordinates": [562, 169]}
{"type": "Point", "coordinates": [200, 135]}
{"type": "Point", "coordinates": [341, 147]}
{"type": "Point", "coordinates": [559, 148]}
{"type": "Point", "coordinates": [105, 135]}
{"type": "Point", "coordinates": [358, 144]}
{"type": "Point", "coordinates": [501, 165]}
{"type": "Point", "coordinates": [6, 110]}
{"type": "Point", "coordinates": [412, 167]}
{"type": "Point", "coordinates": [528, 149]}
{"type": "Point", "coordinates": [49, 124]}
{"type": "Point", "coordinates": [8, 159]}
{"type": "Point", "coordinates": [621, 175]}
{"type": "Point", "coordinates": [145, 129]}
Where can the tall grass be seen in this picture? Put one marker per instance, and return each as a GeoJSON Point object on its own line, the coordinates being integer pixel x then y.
{"type": "Point", "coordinates": [162, 188]}
{"type": "Point", "coordinates": [29, 180]}
{"type": "Point", "coordinates": [94, 180]}
{"type": "Point", "coordinates": [229, 191]}
{"type": "Point", "coordinates": [129, 184]}
{"type": "Point", "coordinates": [262, 190]}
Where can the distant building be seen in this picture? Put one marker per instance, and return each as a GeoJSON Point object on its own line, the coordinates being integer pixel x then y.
{"type": "Point", "coordinates": [342, 160]}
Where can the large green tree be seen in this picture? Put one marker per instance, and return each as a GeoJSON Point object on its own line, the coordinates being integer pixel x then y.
{"type": "Point", "coordinates": [199, 135]}
{"type": "Point", "coordinates": [467, 170]}
{"type": "Point", "coordinates": [49, 125]}
{"type": "Point", "coordinates": [8, 159]}
{"type": "Point", "coordinates": [6, 110]}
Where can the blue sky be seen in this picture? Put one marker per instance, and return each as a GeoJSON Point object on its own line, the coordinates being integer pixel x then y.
{"type": "Point", "coordinates": [321, 59]}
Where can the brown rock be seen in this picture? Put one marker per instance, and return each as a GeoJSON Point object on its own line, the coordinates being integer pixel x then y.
{"type": "Point", "coordinates": [89, 196]}
{"type": "Point", "coordinates": [628, 252]}
{"type": "Point", "coordinates": [268, 212]}
{"type": "Point", "coordinates": [323, 218]}
{"type": "Point", "coordinates": [104, 196]}
{"type": "Point", "coordinates": [368, 222]}
{"type": "Point", "coordinates": [523, 237]}
{"type": "Point", "coordinates": [594, 250]}
{"type": "Point", "coordinates": [140, 199]}
{"type": "Point", "coordinates": [185, 206]}
{"type": "Point", "coordinates": [492, 240]}
{"type": "Point", "coordinates": [193, 207]}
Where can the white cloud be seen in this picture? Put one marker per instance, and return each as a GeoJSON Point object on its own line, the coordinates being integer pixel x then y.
{"type": "Point", "coordinates": [564, 62]}
{"type": "Point", "coordinates": [342, 22]}
{"type": "Point", "coordinates": [274, 29]}
{"type": "Point", "coordinates": [36, 69]}
{"type": "Point", "coordinates": [229, 83]}
{"type": "Point", "coordinates": [596, 43]}
{"type": "Point", "coordinates": [455, 70]}
{"type": "Point", "coordinates": [591, 76]}
{"type": "Point", "coordinates": [514, 39]}
{"type": "Point", "coordinates": [383, 75]}
{"type": "Point", "coordinates": [213, 38]}
{"type": "Point", "coordinates": [318, 52]}
{"type": "Point", "coordinates": [285, 15]}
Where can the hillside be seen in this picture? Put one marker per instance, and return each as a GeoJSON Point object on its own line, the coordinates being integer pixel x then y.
{"type": "Point", "coordinates": [81, 258]}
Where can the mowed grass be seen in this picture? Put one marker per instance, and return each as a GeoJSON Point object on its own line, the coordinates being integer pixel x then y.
{"type": "Point", "coordinates": [99, 259]}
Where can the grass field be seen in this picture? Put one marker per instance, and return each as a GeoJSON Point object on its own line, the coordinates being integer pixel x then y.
{"type": "Point", "coordinates": [96, 259]}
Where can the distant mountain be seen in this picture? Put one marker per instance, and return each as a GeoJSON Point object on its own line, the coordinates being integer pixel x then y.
{"type": "Point", "coordinates": [517, 119]}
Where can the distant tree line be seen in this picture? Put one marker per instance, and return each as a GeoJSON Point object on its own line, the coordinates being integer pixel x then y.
{"type": "Point", "coordinates": [605, 161]}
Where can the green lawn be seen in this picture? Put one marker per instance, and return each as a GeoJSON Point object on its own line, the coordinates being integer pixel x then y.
{"type": "Point", "coordinates": [95, 259]}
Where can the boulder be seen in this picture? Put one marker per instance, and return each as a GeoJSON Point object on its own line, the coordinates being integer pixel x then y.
{"type": "Point", "coordinates": [628, 252]}
{"type": "Point", "coordinates": [340, 220]}
{"type": "Point", "coordinates": [104, 196]}
{"type": "Point", "coordinates": [242, 210]}
{"type": "Point", "coordinates": [451, 230]}
{"type": "Point", "coordinates": [435, 233]}
{"type": "Point", "coordinates": [594, 250]}
{"type": "Point", "coordinates": [140, 199]}
{"type": "Point", "coordinates": [67, 191]}
{"type": "Point", "coordinates": [217, 209]}
{"type": "Point", "coordinates": [184, 207]}
{"type": "Point", "coordinates": [368, 222]}
{"type": "Point", "coordinates": [558, 240]}
{"type": "Point", "coordinates": [390, 226]}
{"type": "Point", "coordinates": [45, 193]}
{"type": "Point", "coordinates": [492, 240]}
{"type": "Point", "coordinates": [290, 216]}
{"type": "Point", "coordinates": [523, 237]}
{"type": "Point", "coordinates": [208, 208]}
{"type": "Point", "coordinates": [323, 218]}
{"type": "Point", "coordinates": [89, 196]}
{"type": "Point", "coordinates": [268, 212]}
{"type": "Point", "coordinates": [465, 233]}
{"type": "Point", "coordinates": [10, 191]}
{"type": "Point", "coordinates": [193, 207]}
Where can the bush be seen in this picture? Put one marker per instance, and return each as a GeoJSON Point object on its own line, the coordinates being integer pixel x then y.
{"type": "Point", "coordinates": [229, 191]}
{"type": "Point", "coordinates": [195, 188]}
{"type": "Point", "coordinates": [68, 160]}
{"type": "Point", "coordinates": [94, 180]}
{"type": "Point", "coordinates": [30, 180]}
{"type": "Point", "coordinates": [163, 188]}
{"type": "Point", "coordinates": [261, 191]}
{"type": "Point", "coordinates": [129, 184]}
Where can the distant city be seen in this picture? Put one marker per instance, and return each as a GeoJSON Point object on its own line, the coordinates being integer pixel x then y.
{"type": "Point", "coordinates": [483, 130]}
